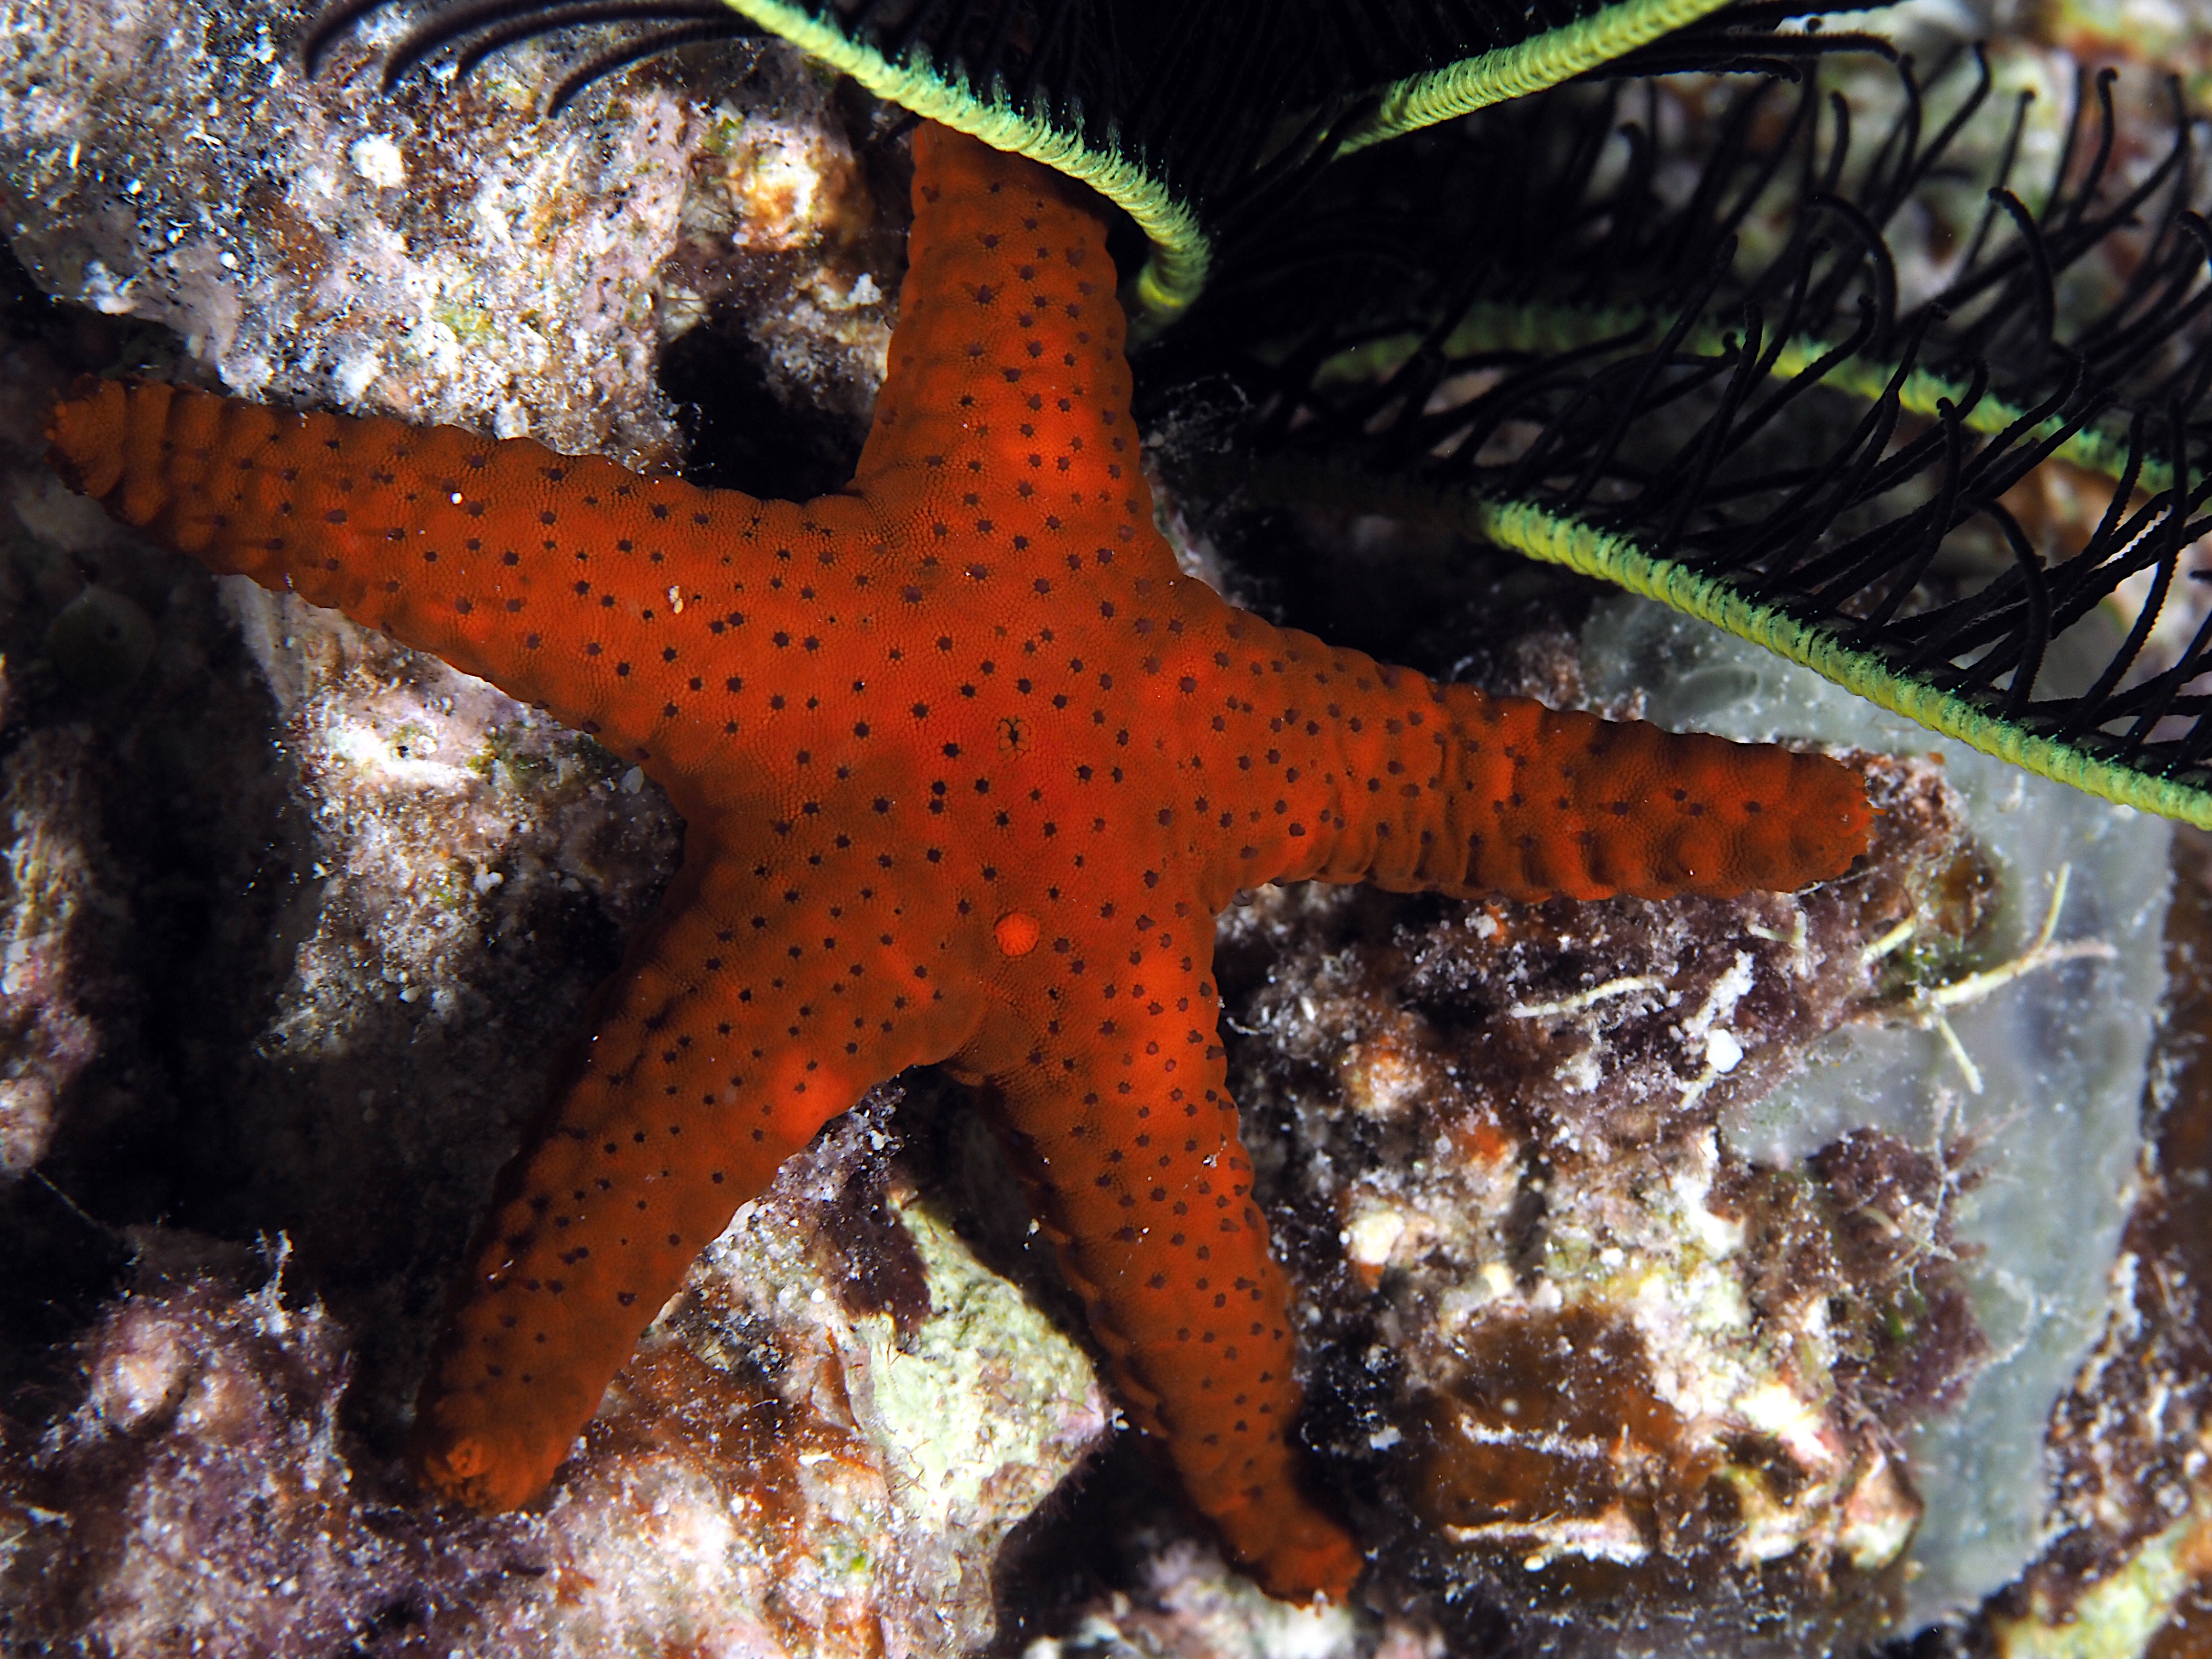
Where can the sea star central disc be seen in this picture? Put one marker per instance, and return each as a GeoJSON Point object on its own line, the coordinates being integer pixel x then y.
{"type": "Point", "coordinates": [968, 768]}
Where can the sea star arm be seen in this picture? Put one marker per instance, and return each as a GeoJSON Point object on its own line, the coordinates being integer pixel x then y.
{"type": "Point", "coordinates": [758, 1004]}
{"type": "Point", "coordinates": [568, 581]}
{"type": "Point", "coordinates": [1121, 1119]}
{"type": "Point", "coordinates": [1353, 770]}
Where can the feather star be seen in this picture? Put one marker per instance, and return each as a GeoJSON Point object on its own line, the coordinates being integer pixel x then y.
{"type": "Point", "coordinates": [967, 770]}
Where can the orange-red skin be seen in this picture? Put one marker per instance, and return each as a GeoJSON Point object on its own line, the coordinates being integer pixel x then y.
{"type": "Point", "coordinates": [968, 768]}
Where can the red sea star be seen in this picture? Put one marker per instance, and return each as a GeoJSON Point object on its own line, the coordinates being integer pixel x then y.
{"type": "Point", "coordinates": [967, 770]}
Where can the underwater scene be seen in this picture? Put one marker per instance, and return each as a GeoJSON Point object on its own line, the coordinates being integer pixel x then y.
{"type": "Point", "coordinates": [1106, 829]}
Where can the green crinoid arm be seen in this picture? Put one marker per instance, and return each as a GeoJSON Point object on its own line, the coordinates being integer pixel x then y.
{"type": "Point", "coordinates": [1529, 529]}
{"type": "Point", "coordinates": [1190, 118]}
{"type": "Point", "coordinates": [1531, 65]}
{"type": "Point", "coordinates": [1540, 532]}
{"type": "Point", "coordinates": [1181, 250]}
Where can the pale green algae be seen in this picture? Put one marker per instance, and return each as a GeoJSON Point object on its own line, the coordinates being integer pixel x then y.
{"type": "Point", "coordinates": [2117, 1618]}
{"type": "Point", "coordinates": [980, 1389]}
{"type": "Point", "coordinates": [2054, 1133]}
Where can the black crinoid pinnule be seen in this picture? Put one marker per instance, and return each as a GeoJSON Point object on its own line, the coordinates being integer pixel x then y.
{"type": "Point", "coordinates": [473, 30]}
{"type": "Point", "coordinates": [1723, 393]}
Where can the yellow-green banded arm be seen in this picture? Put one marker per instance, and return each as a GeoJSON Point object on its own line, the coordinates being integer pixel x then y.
{"type": "Point", "coordinates": [1539, 532]}
{"type": "Point", "coordinates": [1541, 329]}
{"type": "Point", "coordinates": [1182, 252]}
{"type": "Point", "coordinates": [1181, 249]}
{"type": "Point", "coordinates": [1541, 61]}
